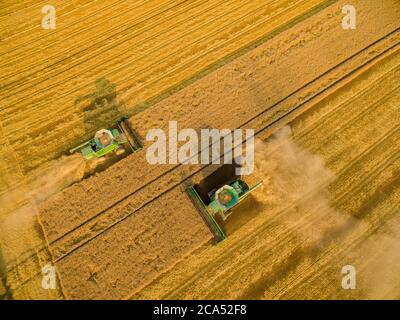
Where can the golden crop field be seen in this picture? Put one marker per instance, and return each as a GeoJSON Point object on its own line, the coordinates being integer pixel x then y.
{"type": "Point", "coordinates": [324, 104]}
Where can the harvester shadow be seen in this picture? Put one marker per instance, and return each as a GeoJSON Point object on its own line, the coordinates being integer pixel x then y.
{"type": "Point", "coordinates": [101, 107]}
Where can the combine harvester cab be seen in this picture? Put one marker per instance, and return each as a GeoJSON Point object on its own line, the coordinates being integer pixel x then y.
{"type": "Point", "coordinates": [106, 141]}
{"type": "Point", "coordinates": [216, 195]}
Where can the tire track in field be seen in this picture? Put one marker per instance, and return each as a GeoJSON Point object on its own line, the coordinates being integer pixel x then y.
{"type": "Point", "coordinates": [330, 115]}
{"type": "Point", "coordinates": [385, 137]}
{"type": "Point", "coordinates": [145, 186]}
{"type": "Point", "coordinates": [78, 230]}
{"type": "Point", "coordinates": [299, 255]}
{"type": "Point", "coordinates": [219, 261]}
{"type": "Point", "coordinates": [160, 194]}
{"type": "Point", "coordinates": [263, 230]}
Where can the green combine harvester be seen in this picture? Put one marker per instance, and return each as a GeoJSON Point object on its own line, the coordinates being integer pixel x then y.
{"type": "Point", "coordinates": [112, 140]}
{"type": "Point", "coordinates": [217, 195]}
